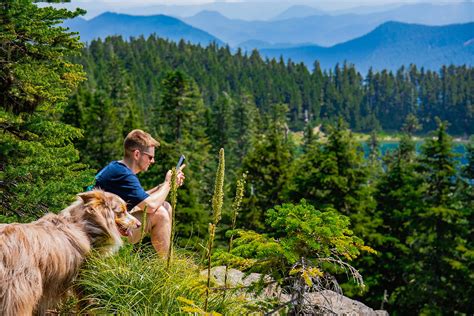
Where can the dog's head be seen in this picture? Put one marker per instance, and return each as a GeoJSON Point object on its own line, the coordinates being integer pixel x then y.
{"type": "Point", "coordinates": [105, 218]}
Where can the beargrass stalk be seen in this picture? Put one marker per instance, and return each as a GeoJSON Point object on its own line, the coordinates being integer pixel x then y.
{"type": "Point", "coordinates": [142, 229]}
{"type": "Point", "coordinates": [218, 197]}
{"type": "Point", "coordinates": [239, 194]}
{"type": "Point", "coordinates": [217, 202]}
{"type": "Point", "coordinates": [173, 200]}
{"type": "Point", "coordinates": [212, 231]}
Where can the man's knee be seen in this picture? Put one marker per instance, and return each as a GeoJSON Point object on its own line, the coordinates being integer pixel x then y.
{"type": "Point", "coordinates": [162, 215]}
{"type": "Point", "coordinates": [168, 208]}
{"type": "Point", "coordinates": [165, 210]}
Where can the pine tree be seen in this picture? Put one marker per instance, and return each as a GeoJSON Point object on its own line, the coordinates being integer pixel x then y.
{"type": "Point", "coordinates": [221, 127]}
{"type": "Point", "coordinates": [369, 104]}
{"type": "Point", "coordinates": [411, 125]}
{"type": "Point", "coordinates": [468, 170]}
{"type": "Point", "coordinates": [466, 196]}
{"type": "Point", "coordinates": [374, 161]}
{"type": "Point", "coordinates": [181, 125]}
{"type": "Point", "coordinates": [246, 119]}
{"type": "Point", "coordinates": [267, 164]}
{"type": "Point", "coordinates": [39, 164]}
{"type": "Point", "coordinates": [332, 173]}
{"type": "Point", "coordinates": [302, 247]}
{"type": "Point", "coordinates": [102, 127]}
{"type": "Point", "coordinates": [381, 100]}
{"type": "Point", "coordinates": [398, 197]}
{"type": "Point", "coordinates": [439, 273]}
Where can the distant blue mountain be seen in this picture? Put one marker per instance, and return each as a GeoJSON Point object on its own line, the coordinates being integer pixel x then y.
{"type": "Point", "coordinates": [325, 29]}
{"type": "Point", "coordinates": [251, 45]}
{"type": "Point", "coordinates": [164, 26]}
{"type": "Point", "coordinates": [298, 11]}
{"type": "Point", "coordinates": [390, 46]}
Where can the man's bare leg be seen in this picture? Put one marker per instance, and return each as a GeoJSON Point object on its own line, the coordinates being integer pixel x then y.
{"type": "Point", "coordinates": [136, 235]}
{"type": "Point", "coordinates": [158, 224]}
{"type": "Point", "coordinates": [160, 229]}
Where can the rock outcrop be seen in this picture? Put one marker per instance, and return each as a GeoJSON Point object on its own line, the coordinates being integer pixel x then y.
{"type": "Point", "coordinates": [328, 302]}
{"type": "Point", "coordinates": [332, 303]}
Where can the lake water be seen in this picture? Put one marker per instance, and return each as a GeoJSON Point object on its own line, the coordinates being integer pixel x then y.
{"type": "Point", "coordinates": [458, 148]}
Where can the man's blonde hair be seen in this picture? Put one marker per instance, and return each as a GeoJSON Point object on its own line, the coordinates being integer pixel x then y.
{"type": "Point", "coordinates": [138, 139]}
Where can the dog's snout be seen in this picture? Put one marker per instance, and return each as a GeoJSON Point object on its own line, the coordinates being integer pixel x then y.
{"type": "Point", "coordinates": [134, 221]}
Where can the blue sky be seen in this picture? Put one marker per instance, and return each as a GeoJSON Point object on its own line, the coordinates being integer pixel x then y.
{"type": "Point", "coordinates": [252, 9]}
{"type": "Point", "coordinates": [347, 3]}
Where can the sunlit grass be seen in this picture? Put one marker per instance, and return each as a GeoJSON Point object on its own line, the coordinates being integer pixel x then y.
{"type": "Point", "coordinates": [136, 281]}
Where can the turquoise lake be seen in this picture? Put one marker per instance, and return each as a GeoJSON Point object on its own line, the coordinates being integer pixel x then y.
{"type": "Point", "coordinates": [458, 148]}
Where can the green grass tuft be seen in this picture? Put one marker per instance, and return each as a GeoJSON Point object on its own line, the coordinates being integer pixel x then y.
{"type": "Point", "coordinates": [138, 282]}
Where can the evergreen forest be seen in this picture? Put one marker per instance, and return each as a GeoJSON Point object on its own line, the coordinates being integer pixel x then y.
{"type": "Point", "coordinates": [66, 107]}
{"type": "Point", "coordinates": [373, 101]}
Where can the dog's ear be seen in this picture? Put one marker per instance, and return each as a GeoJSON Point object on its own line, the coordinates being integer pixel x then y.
{"type": "Point", "coordinates": [114, 202]}
{"type": "Point", "coordinates": [95, 195]}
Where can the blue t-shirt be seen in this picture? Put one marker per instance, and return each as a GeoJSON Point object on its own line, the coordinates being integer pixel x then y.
{"type": "Point", "coordinates": [117, 178]}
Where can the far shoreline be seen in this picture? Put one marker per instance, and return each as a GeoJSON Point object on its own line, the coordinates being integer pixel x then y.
{"type": "Point", "coordinates": [361, 137]}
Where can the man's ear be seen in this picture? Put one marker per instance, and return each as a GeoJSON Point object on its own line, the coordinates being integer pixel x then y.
{"type": "Point", "coordinates": [136, 154]}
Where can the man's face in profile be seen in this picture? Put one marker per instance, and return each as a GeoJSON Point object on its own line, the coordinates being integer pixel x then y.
{"type": "Point", "coordinates": [146, 158]}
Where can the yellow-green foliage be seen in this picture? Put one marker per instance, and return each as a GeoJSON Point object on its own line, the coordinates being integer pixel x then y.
{"type": "Point", "coordinates": [191, 307]}
{"type": "Point", "coordinates": [137, 282]}
{"type": "Point", "coordinates": [298, 231]}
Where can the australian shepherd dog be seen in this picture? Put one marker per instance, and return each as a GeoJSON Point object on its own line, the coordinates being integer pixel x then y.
{"type": "Point", "coordinates": [39, 260]}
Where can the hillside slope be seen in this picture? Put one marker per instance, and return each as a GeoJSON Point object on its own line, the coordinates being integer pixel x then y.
{"type": "Point", "coordinates": [164, 26]}
{"type": "Point", "coordinates": [391, 45]}
{"type": "Point", "coordinates": [326, 29]}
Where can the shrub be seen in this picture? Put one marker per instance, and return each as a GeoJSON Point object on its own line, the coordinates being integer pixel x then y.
{"type": "Point", "coordinates": [302, 249]}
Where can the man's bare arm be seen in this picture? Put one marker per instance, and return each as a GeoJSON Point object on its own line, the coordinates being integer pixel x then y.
{"type": "Point", "coordinates": [159, 193]}
{"type": "Point", "coordinates": [153, 190]}
{"type": "Point", "coordinates": [157, 197]}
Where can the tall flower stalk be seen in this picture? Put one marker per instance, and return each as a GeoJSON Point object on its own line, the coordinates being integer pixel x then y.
{"type": "Point", "coordinates": [239, 194]}
{"type": "Point", "coordinates": [173, 200]}
{"type": "Point", "coordinates": [217, 202]}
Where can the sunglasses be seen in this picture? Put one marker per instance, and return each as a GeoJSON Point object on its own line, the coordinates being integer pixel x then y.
{"type": "Point", "coordinates": [151, 157]}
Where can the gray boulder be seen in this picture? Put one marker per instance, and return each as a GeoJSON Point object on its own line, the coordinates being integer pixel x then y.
{"type": "Point", "coordinates": [332, 303]}
{"type": "Point", "coordinates": [328, 302]}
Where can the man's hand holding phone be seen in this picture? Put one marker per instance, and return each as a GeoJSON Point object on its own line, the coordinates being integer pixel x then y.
{"type": "Point", "coordinates": [180, 166]}
{"type": "Point", "coordinates": [180, 176]}
{"type": "Point", "coordinates": [180, 162]}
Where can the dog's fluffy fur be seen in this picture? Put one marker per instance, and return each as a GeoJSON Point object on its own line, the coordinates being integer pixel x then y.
{"type": "Point", "coordinates": [39, 260]}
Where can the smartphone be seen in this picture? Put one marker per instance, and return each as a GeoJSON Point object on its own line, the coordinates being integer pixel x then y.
{"type": "Point", "coordinates": [180, 161]}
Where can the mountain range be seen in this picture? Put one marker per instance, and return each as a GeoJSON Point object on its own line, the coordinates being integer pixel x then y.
{"type": "Point", "coordinates": [423, 13]}
{"type": "Point", "coordinates": [390, 46]}
{"type": "Point", "coordinates": [387, 46]}
{"type": "Point", "coordinates": [298, 11]}
{"type": "Point", "coordinates": [296, 26]}
{"type": "Point", "coordinates": [125, 25]}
